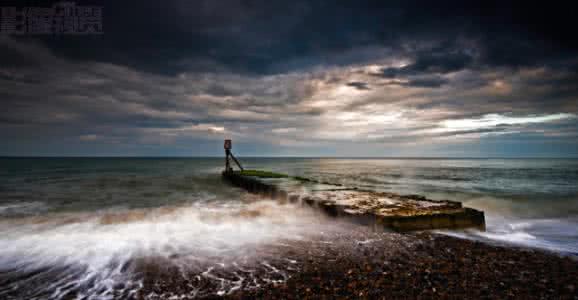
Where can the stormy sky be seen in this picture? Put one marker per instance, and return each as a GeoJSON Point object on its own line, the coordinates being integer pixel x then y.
{"type": "Point", "coordinates": [297, 78]}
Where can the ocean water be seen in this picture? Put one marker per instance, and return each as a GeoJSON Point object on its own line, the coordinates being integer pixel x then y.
{"type": "Point", "coordinates": [94, 227]}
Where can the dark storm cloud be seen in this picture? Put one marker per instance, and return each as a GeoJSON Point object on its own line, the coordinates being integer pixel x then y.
{"type": "Point", "coordinates": [292, 73]}
{"type": "Point", "coordinates": [274, 36]}
{"type": "Point", "coordinates": [359, 85]}
{"type": "Point", "coordinates": [432, 82]}
{"type": "Point", "coordinates": [442, 62]}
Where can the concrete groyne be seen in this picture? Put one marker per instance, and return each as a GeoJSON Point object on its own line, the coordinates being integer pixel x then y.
{"type": "Point", "coordinates": [379, 209]}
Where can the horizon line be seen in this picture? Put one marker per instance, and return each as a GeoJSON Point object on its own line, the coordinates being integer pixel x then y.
{"type": "Point", "coordinates": [292, 156]}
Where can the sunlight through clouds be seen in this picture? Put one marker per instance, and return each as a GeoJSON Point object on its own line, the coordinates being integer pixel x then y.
{"type": "Point", "coordinates": [491, 120]}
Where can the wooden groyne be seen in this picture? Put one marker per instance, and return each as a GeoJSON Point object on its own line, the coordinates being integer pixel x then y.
{"type": "Point", "coordinates": [379, 209]}
{"type": "Point", "coordinates": [388, 210]}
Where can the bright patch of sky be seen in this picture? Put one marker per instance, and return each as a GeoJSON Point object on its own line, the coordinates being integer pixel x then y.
{"type": "Point", "coordinates": [491, 120]}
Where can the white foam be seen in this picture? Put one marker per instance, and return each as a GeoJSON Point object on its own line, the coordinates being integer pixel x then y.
{"type": "Point", "coordinates": [21, 208]}
{"type": "Point", "coordinates": [550, 234]}
{"type": "Point", "coordinates": [513, 237]}
{"type": "Point", "coordinates": [100, 245]}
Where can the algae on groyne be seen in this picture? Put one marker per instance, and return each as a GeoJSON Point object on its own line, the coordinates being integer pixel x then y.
{"type": "Point", "coordinates": [389, 210]}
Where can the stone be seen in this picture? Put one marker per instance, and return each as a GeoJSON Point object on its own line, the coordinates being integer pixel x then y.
{"type": "Point", "coordinates": [377, 209]}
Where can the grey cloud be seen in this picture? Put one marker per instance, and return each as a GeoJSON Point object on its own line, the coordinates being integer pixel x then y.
{"type": "Point", "coordinates": [359, 85]}
{"type": "Point", "coordinates": [107, 100]}
{"type": "Point", "coordinates": [428, 82]}
{"type": "Point", "coordinates": [425, 62]}
{"type": "Point", "coordinates": [93, 102]}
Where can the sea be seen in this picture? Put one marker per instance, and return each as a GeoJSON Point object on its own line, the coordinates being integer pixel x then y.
{"type": "Point", "coordinates": [74, 227]}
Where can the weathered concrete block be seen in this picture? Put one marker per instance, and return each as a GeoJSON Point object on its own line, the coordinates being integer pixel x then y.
{"type": "Point", "coordinates": [386, 210]}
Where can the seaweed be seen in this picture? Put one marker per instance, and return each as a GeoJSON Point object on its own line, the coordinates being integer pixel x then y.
{"type": "Point", "coordinates": [262, 174]}
{"type": "Point", "coordinates": [269, 174]}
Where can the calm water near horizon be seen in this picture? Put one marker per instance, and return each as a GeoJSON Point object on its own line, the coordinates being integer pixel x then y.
{"type": "Point", "coordinates": [94, 211]}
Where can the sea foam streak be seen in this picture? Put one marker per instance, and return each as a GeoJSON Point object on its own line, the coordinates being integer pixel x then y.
{"type": "Point", "coordinates": [548, 234]}
{"type": "Point", "coordinates": [23, 208]}
{"type": "Point", "coordinates": [104, 255]}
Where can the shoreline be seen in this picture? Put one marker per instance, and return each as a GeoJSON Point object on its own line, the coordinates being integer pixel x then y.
{"type": "Point", "coordinates": [105, 233]}
{"type": "Point", "coordinates": [354, 262]}
{"type": "Point", "coordinates": [331, 259]}
{"type": "Point", "coordinates": [438, 266]}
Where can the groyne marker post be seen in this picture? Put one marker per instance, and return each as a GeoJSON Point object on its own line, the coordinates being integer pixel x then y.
{"type": "Point", "coordinates": [228, 146]}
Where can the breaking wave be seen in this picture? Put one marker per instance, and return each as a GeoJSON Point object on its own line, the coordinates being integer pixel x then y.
{"type": "Point", "coordinates": [108, 254]}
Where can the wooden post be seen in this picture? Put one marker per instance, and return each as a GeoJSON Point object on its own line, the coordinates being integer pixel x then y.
{"type": "Point", "coordinates": [228, 147]}
{"type": "Point", "coordinates": [229, 154]}
{"type": "Point", "coordinates": [236, 161]}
